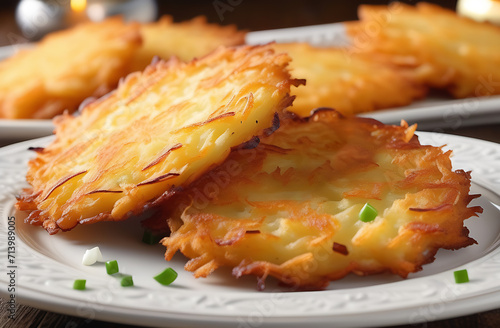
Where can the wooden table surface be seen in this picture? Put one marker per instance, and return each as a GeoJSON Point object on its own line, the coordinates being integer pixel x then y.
{"type": "Point", "coordinates": [254, 15]}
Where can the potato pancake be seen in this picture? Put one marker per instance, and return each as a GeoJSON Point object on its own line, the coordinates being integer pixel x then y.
{"type": "Point", "coordinates": [290, 207]}
{"type": "Point", "coordinates": [65, 68]}
{"type": "Point", "coordinates": [349, 82]}
{"type": "Point", "coordinates": [443, 50]}
{"type": "Point", "coordinates": [185, 40]}
{"type": "Point", "coordinates": [159, 130]}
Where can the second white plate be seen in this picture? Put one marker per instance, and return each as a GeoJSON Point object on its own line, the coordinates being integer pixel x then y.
{"type": "Point", "coordinates": [429, 114]}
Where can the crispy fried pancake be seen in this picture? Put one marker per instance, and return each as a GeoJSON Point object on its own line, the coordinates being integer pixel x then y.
{"type": "Point", "coordinates": [185, 40]}
{"type": "Point", "coordinates": [443, 49]}
{"type": "Point", "coordinates": [161, 128]}
{"type": "Point", "coordinates": [349, 82]}
{"type": "Point", "coordinates": [289, 208]}
{"type": "Point", "coordinates": [65, 68]}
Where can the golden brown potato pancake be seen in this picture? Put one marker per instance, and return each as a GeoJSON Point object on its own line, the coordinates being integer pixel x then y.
{"type": "Point", "coordinates": [443, 49]}
{"type": "Point", "coordinates": [65, 68]}
{"type": "Point", "coordinates": [185, 40]}
{"type": "Point", "coordinates": [160, 129]}
{"type": "Point", "coordinates": [289, 208]}
{"type": "Point", "coordinates": [349, 82]}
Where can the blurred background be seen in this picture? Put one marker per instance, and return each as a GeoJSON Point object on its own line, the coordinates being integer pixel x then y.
{"type": "Point", "coordinates": [251, 15]}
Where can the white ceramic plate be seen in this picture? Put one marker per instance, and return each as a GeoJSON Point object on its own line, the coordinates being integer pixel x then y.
{"type": "Point", "coordinates": [429, 114]}
{"type": "Point", "coordinates": [433, 113]}
{"type": "Point", "coordinates": [47, 265]}
{"type": "Point", "coordinates": [24, 129]}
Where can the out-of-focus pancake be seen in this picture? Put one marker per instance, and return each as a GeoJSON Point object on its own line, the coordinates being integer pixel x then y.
{"type": "Point", "coordinates": [88, 60]}
{"type": "Point", "coordinates": [349, 82]}
{"type": "Point", "coordinates": [65, 68]}
{"type": "Point", "coordinates": [185, 40]}
{"type": "Point", "coordinates": [442, 49]}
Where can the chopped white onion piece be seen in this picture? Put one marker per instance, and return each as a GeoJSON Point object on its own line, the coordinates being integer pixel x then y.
{"type": "Point", "coordinates": [91, 256]}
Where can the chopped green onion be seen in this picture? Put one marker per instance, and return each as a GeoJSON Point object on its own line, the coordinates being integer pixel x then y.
{"type": "Point", "coordinates": [127, 281]}
{"type": "Point", "coordinates": [461, 276]}
{"type": "Point", "coordinates": [112, 267]}
{"type": "Point", "coordinates": [79, 284]}
{"type": "Point", "coordinates": [167, 277]}
{"type": "Point", "coordinates": [368, 213]}
{"type": "Point", "coordinates": [149, 238]}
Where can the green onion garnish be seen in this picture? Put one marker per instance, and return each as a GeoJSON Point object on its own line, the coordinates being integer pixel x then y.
{"type": "Point", "coordinates": [112, 267]}
{"type": "Point", "coordinates": [127, 281]}
{"type": "Point", "coordinates": [368, 213]}
{"type": "Point", "coordinates": [167, 277]}
{"type": "Point", "coordinates": [149, 238]}
{"type": "Point", "coordinates": [461, 276]}
{"type": "Point", "coordinates": [79, 284]}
